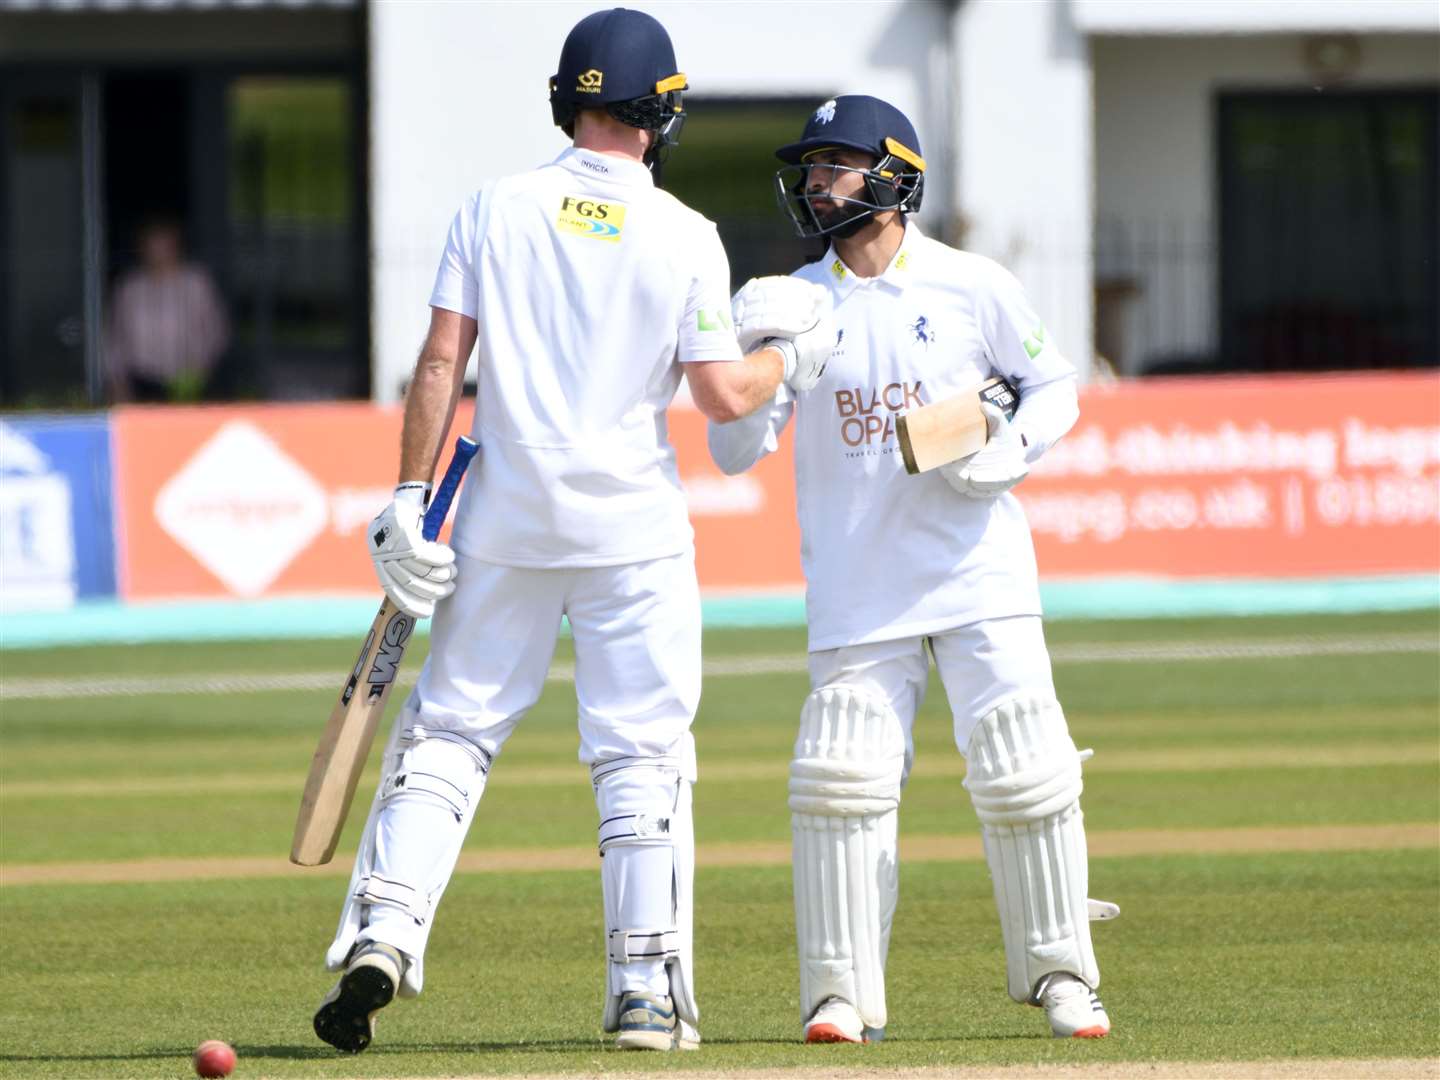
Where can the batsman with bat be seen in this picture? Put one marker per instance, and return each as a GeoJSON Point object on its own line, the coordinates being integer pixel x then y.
{"type": "Point", "coordinates": [898, 565]}
{"type": "Point", "coordinates": [590, 292]}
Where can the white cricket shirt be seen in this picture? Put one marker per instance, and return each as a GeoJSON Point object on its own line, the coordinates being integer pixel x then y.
{"type": "Point", "coordinates": [886, 554]}
{"type": "Point", "coordinates": [589, 286]}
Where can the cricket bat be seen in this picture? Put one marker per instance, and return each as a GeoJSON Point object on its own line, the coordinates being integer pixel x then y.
{"type": "Point", "coordinates": [945, 431]}
{"type": "Point", "coordinates": [345, 743]}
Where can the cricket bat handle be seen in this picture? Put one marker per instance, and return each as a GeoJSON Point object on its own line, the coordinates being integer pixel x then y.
{"type": "Point", "coordinates": [465, 448]}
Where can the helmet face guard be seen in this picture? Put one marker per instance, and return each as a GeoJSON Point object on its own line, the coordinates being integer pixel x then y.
{"type": "Point", "coordinates": [892, 183]}
{"type": "Point", "coordinates": [661, 113]}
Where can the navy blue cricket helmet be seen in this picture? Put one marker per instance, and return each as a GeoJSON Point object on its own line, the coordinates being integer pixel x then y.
{"type": "Point", "coordinates": [851, 122]}
{"type": "Point", "coordinates": [622, 61]}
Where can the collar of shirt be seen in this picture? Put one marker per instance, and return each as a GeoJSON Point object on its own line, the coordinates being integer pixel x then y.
{"type": "Point", "coordinates": [604, 167]}
{"type": "Point", "coordinates": [899, 274]}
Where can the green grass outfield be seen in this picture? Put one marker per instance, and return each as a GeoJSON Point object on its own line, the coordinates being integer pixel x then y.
{"type": "Point", "coordinates": [1264, 804]}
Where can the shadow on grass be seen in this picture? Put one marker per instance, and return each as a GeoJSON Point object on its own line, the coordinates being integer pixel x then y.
{"type": "Point", "coordinates": [519, 1046]}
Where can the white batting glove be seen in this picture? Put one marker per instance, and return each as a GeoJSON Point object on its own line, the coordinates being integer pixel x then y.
{"type": "Point", "coordinates": [807, 354]}
{"type": "Point", "coordinates": [997, 466]}
{"type": "Point", "coordinates": [413, 571]}
{"type": "Point", "coordinates": [769, 307]}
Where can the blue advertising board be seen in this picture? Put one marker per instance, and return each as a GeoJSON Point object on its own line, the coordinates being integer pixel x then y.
{"type": "Point", "coordinates": [57, 521]}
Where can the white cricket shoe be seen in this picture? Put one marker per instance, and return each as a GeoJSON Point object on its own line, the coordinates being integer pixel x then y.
{"type": "Point", "coordinates": [835, 1021]}
{"type": "Point", "coordinates": [1073, 1009]}
{"type": "Point", "coordinates": [649, 1022]}
{"type": "Point", "coordinates": [346, 1018]}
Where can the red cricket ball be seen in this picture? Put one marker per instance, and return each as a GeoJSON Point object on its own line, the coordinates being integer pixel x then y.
{"type": "Point", "coordinates": [214, 1058]}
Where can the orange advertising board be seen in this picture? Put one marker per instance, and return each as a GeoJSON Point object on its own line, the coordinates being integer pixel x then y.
{"type": "Point", "coordinates": [1273, 477]}
{"type": "Point", "coordinates": [269, 500]}
{"type": "Point", "coordinates": [1244, 477]}
{"type": "Point", "coordinates": [249, 501]}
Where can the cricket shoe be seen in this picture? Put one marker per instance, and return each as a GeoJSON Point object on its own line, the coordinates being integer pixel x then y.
{"type": "Point", "coordinates": [346, 1018]}
{"type": "Point", "coordinates": [835, 1021]}
{"type": "Point", "coordinates": [1073, 1009]}
{"type": "Point", "coordinates": [649, 1022]}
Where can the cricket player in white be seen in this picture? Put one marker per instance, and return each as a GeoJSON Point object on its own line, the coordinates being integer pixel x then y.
{"type": "Point", "coordinates": [590, 292]}
{"type": "Point", "coordinates": [897, 564]}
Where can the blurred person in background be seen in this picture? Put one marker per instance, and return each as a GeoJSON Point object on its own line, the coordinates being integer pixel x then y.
{"type": "Point", "coordinates": [168, 326]}
{"type": "Point", "coordinates": [901, 569]}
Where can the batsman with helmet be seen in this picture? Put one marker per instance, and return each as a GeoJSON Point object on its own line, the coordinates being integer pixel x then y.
{"type": "Point", "coordinates": [901, 568]}
{"type": "Point", "coordinates": [591, 293]}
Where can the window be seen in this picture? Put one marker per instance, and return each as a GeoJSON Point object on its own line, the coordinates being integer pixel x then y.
{"type": "Point", "coordinates": [1329, 237]}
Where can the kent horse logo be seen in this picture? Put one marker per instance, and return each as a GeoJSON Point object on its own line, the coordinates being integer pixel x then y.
{"type": "Point", "coordinates": [921, 329]}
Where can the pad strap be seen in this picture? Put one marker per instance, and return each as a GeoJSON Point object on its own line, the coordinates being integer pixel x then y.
{"type": "Point", "coordinates": [627, 946]}
{"type": "Point", "coordinates": [395, 894]}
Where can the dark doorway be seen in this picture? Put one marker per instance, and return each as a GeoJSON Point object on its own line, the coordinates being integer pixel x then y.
{"type": "Point", "coordinates": [147, 156]}
{"type": "Point", "coordinates": [233, 134]}
{"type": "Point", "coordinates": [42, 241]}
{"type": "Point", "coordinates": [725, 168]}
{"type": "Point", "coordinates": [1329, 238]}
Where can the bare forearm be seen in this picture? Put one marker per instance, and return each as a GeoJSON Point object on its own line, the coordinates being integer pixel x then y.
{"type": "Point", "coordinates": [429, 407]}
{"type": "Point", "coordinates": [763, 373]}
{"type": "Point", "coordinates": [726, 391]}
{"type": "Point", "coordinates": [433, 394]}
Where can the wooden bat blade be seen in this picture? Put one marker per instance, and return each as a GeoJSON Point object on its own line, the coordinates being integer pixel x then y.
{"type": "Point", "coordinates": [945, 431]}
{"type": "Point", "coordinates": [345, 743]}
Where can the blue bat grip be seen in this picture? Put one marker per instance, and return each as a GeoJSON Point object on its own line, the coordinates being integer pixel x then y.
{"type": "Point", "coordinates": [465, 448]}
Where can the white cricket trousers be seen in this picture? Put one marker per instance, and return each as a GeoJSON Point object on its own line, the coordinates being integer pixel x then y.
{"type": "Point", "coordinates": [980, 666]}
{"type": "Point", "coordinates": [636, 630]}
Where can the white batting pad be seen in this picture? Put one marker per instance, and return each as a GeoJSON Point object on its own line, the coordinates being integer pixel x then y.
{"type": "Point", "coordinates": [647, 848]}
{"type": "Point", "coordinates": [844, 802]}
{"type": "Point", "coordinates": [1023, 774]}
{"type": "Point", "coordinates": [430, 784]}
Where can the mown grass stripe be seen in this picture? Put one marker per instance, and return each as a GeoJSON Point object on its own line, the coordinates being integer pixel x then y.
{"type": "Point", "coordinates": [1259, 1069]}
{"type": "Point", "coordinates": [932, 766]}
{"type": "Point", "coordinates": [967, 848]}
{"type": "Point", "coordinates": [1123, 653]}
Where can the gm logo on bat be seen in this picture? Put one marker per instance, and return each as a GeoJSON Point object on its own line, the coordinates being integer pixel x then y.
{"type": "Point", "coordinates": [587, 217]}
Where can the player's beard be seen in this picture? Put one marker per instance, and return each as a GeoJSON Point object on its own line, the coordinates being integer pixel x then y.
{"type": "Point", "coordinates": [843, 221]}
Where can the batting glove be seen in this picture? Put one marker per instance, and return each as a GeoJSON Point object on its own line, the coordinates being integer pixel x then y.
{"type": "Point", "coordinates": [414, 572]}
{"type": "Point", "coordinates": [775, 307]}
{"type": "Point", "coordinates": [997, 466]}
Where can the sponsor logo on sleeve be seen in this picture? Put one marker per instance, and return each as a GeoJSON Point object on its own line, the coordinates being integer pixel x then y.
{"type": "Point", "coordinates": [708, 320]}
{"type": "Point", "coordinates": [1035, 342]}
{"type": "Point", "coordinates": [590, 217]}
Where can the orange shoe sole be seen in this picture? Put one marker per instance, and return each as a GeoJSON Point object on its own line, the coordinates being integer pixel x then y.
{"type": "Point", "coordinates": [828, 1033]}
{"type": "Point", "coordinates": [1091, 1033]}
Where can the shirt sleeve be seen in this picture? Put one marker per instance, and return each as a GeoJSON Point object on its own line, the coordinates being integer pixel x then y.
{"type": "Point", "coordinates": [1024, 352]}
{"type": "Point", "coordinates": [706, 330]}
{"type": "Point", "coordinates": [736, 446]}
{"type": "Point", "coordinates": [457, 286]}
